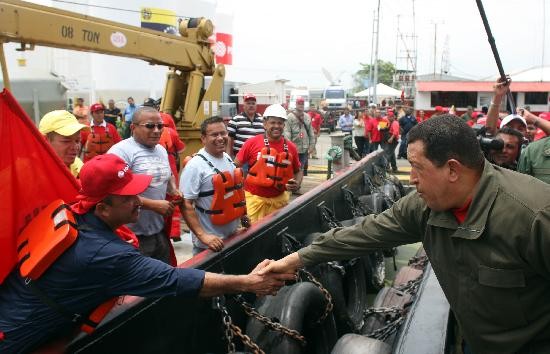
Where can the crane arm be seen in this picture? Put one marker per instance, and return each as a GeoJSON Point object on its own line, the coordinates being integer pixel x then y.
{"type": "Point", "coordinates": [31, 24]}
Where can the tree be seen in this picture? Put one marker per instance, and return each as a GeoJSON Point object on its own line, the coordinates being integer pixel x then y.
{"type": "Point", "coordinates": [386, 70]}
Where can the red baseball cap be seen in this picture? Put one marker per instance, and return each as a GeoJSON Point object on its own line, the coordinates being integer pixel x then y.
{"type": "Point", "coordinates": [299, 100]}
{"type": "Point", "coordinates": [249, 96]}
{"type": "Point", "coordinates": [109, 174]}
{"type": "Point", "coordinates": [97, 107]}
{"type": "Point", "coordinates": [438, 109]}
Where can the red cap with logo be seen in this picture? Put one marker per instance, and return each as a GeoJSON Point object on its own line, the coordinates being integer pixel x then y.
{"type": "Point", "coordinates": [97, 107]}
{"type": "Point", "coordinates": [109, 174]}
{"type": "Point", "coordinates": [299, 100]}
{"type": "Point", "coordinates": [104, 175]}
{"type": "Point", "coordinates": [249, 96]}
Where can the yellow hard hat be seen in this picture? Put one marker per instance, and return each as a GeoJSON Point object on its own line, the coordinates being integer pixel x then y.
{"type": "Point", "coordinates": [61, 122]}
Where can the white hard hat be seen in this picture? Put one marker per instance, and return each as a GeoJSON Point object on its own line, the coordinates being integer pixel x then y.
{"type": "Point", "coordinates": [275, 110]}
{"type": "Point", "coordinates": [512, 117]}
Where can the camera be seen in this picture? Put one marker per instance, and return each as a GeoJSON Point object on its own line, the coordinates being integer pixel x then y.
{"type": "Point", "coordinates": [487, 143]}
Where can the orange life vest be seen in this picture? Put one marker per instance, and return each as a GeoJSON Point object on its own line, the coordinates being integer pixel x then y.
{"type": "Point", "coordinates": [166, 140]}
{"type": "Point", "coordinates": [98, 143]}
{"type": "Point", "coordinates": [39, 245]}
{"type": "Point", "coordinates": [228, 202]}
{"type": "Point", "coordinates": [272, 169]}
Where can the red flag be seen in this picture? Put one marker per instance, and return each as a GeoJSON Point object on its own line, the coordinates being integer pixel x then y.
{"type": "Point", "coordinates": [31, 176]}
{"type": "Point", "coordinates": [223, 48]}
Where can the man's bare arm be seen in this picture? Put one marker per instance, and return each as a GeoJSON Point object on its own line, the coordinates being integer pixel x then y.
{"type": "Point", "coordinates": [500, 89]}
{"type": "Point", "coordinates": [192, 220]}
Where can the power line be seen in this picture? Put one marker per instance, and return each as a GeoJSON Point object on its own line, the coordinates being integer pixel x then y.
{"type": "Point", "coordinates": [115, 8]}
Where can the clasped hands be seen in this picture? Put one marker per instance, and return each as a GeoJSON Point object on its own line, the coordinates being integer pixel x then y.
{"type": "Point", "coordinates": [269, 275]}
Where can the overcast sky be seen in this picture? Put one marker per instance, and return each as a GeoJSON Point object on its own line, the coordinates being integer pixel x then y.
{"type": "Point", "coordinates": [294, 39]}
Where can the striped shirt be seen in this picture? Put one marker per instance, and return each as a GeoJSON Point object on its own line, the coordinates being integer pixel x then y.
{"type": "Point", "coordinates": [240, 128]}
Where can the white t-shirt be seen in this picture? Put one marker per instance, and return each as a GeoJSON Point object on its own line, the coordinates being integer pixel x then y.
{"type": "Point", "coordinates": [197, 177]}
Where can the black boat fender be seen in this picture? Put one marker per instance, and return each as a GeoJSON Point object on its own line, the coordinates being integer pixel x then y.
{"type": "Point", "coordinates": [357, 344]}
{"type": "Point", "coordinates": [297, 307]}
{"type": "Point", "coordinates": [347, 283]}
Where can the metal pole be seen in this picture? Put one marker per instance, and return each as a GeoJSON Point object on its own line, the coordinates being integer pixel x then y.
{"type": "Point", "coordinates": [491, 40]}
{"type": "Point", "coordinates": [5, 76]}
{"type": "Point", "coordinates": [435, 46]}
{"type": "Point", "coordinates": [371, 55]}
{"type": "Point", "coordinates": [376, 54]}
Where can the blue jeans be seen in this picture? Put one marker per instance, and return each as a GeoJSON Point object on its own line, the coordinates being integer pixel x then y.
{"type": "Point", "coordinates": [304, 162]}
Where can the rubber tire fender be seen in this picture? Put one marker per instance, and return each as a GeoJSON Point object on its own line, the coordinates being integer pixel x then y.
{"type": "Point", "coordinates": [296, 307]}
{"type": "Point", "coordinates": [357, 344]}
{"type": "Point", "coordinates": [333, 280]}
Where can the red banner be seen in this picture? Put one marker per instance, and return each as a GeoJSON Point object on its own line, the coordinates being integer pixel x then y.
{"type": "Point", "coordinates": [223, 48]}
{"type": "Point", "coordinates": [31, 176]}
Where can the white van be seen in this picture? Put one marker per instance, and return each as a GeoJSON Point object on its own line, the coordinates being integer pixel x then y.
{"type": "Point", "coordinates": [335, 97]}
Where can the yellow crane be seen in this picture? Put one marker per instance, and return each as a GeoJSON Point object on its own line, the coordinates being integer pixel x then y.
{"type": "Point", "coordinates": [188, 56]}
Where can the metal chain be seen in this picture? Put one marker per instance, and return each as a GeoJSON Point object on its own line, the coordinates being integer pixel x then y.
{"type": "Point", "coordinates": [227, 322]}
{"type": "Point", "coordinates": [373, 310]}
{"type": "Point", "coordinates": [411, 286]}
{"type": "Point", "coordinates": [328, 297]}
{"type": "Point", "coordinates": [357, 207]}
{"type": "Point", "coordinates": [384, 332]}
{"type": "Point", "coordinates": [246, 340]}
{"type": "Point", "coordinates": [268, 322]}
{"type": "Point", "coordinates": [328, 216]}
{"type": "Point", "coordinates": [418, 262]}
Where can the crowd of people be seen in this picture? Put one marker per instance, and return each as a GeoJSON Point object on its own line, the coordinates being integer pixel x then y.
{"type": "Point", "coordinates": [131, 186]}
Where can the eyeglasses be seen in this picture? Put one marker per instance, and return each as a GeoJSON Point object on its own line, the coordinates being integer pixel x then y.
{"type": "Point", "coordinates": [152, 125]}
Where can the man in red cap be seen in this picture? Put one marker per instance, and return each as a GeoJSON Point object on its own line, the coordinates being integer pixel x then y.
{"type": "Point", "coordinates": [244, 125]}
{"type": "Point", "coordinates": [100, 265]}
{"type": "Point", "coordinates": [100, 137]}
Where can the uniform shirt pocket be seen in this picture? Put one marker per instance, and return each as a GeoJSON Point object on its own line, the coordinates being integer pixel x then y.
{"type": "Point", "coordinates": [501, 278]}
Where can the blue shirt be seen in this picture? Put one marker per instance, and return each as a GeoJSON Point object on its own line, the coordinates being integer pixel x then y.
{"type": "Point", "coordinates": [346, 123]}
{"type": "Point", "coordinates": [129, 113]}
{"type": "Point", "coordinates": [97, 267]}
{"type": "Point", "coordinates": [406, 123]}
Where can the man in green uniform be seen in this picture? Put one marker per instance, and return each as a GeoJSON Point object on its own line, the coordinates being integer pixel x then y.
{"type": "Point", "coordinates": [535, 160]}
{"type": "Point", "coordinates": [484, 228]}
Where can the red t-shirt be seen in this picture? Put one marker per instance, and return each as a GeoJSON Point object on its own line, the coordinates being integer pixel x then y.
{"type": "Point", "coordinates": [249, 154]}
{"type": "Point", "coordinates": [461, 213]}
{"type": "Point", "coordinates": [375, 125]}
{"type": "Point", "coordinates": [315, 121]}
{"type": "Point", "coordinates": [394, 130]}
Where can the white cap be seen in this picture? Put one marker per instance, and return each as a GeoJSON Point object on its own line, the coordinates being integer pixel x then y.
{"type": "Point", "coordinates": [510, 118]}
{"type": "Point", "coordinates": [275, 110]}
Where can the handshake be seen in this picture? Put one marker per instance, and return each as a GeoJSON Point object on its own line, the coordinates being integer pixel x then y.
{"type": "Point", "coordinates": [269, 275]}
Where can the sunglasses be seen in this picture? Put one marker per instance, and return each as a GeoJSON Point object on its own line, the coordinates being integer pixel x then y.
{"type": "Point", "coordinates": [152, 125]}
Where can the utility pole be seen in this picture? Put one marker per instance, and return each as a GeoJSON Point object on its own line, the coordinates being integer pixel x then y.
{"type": "Point", "coordinates": [435, 46]}
{"type": "Point", "coordinates": [376, 54]}
{"type": "Point", "coordinates": [371, 56]}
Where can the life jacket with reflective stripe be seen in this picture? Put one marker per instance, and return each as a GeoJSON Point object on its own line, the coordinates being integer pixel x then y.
{"type": "Point", "coordinates": [272, 169]}
{"type": "Point", "coordinates": [41, 243]}
{"type": "Point", "coordinates": [98, 143]}
{"type": "Point", "coordinates": [284, 170]}
{"type": "Point", "coordinates": [228, 201]}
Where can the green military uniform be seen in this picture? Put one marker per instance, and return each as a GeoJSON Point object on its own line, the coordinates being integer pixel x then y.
{"type": "Point", "coordinates": [300, 132]}
{"type": "Point", "coordinates": [535, 160]}
{"type": "Point", "coordinates": [466, 117]}
{"type": "Point", "coordinates": [494, 268]}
